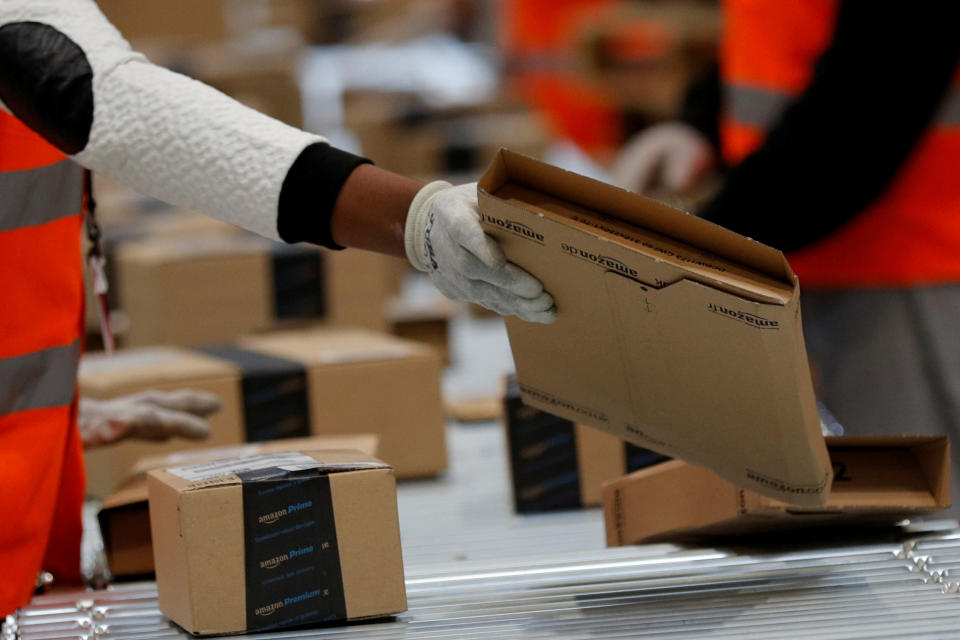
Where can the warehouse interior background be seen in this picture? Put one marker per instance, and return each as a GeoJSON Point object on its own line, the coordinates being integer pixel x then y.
{"type": "Point", "coordinates": [498, 497]}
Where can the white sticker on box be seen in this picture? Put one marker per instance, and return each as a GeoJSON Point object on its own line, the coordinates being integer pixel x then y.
{"type": "Point", "coordinates": [219, 468]}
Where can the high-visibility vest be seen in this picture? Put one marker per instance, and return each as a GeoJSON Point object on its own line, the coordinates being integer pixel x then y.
{"type": "Point", "coordinates": [537, 37]}
{"type": "Point", "coordinates": [41, 322]}
{"type": "Point", "coordinates": [911, 234]}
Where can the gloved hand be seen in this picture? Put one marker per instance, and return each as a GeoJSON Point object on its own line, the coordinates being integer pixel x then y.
{"type": "Point", "coordinates": [148, 415]}
{"type": "Point", "coordinates": [444, 238]}
{"type": "Point", "coordinates": [673, 155]}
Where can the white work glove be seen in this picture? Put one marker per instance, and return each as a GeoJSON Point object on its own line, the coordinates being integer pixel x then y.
{"type": "Point", "coordinates": [148, 415]}
{"type": "Point", "coordinates": [444, 238]}
{"type": "Point", "coordinates": [672, 155]}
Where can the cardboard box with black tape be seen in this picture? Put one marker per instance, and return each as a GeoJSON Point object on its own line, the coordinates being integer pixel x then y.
{"type": "Point", "coordinates": [556, 464]}
{"type": "Point", "coordinates": [877, 480]}
{"type": "Point", "coordinates": [673, 333]}
{"type": "Point", "coordinates": [366, 382]}
{"type": "Point", "coordinates": [274, 541]}
{"type": "Point", "coordinates": [285, 385]}
{"type": "Point", "coordinates": [236, 283]}
{"type": "Point", "coordinates": [124, 516]}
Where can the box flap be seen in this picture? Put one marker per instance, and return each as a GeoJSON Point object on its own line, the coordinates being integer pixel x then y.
{"type": "Point", "coordinates": [636, 209]}
{"type": "Point", "coordinates": [219, 473]}
{"type": "Point", "coordinates": [363, 442]}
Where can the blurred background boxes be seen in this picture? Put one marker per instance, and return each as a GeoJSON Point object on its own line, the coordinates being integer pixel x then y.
{"type": "Point", "coordinates": [365, 382]}
{"type": "Point", "coordinates": [283, 385]}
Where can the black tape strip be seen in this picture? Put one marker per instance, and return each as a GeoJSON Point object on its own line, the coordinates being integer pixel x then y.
{"type": "Point", "coordinates": [298, 284]}
{"type": "Point", "coordinates": [640, 458]}
{"type": "Point", "coordinates": [275, 403]}
{"type": "Point", "coordinates": [543, 457]}
{"type": "Point", "coordinates": [293, 574]}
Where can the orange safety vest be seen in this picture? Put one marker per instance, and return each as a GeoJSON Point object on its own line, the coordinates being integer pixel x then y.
{"type": "Point", "coordinates": [42, 481]}
{"type": "Point", "coordinates": [908, 236]}
{"type": "Point", "coordinates": [537, 37]}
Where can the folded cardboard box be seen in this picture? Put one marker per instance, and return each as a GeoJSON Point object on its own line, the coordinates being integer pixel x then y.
{"type": "Point", "coordinates": [556, 464]}
{"type": "Point", "coordinates": [876, 480]}
{"type": "Point", "coordinates": [124, 517]}
{"type": "Point", "coordinates": [215, 287]}
{"type": "Point", "coordinates": [274, 541]}
{"type": "Point", "coordinates": [285, 385]}
{"type": "Point", "coordinates": [673, 333]}
{"type": "Point", "coordinates": [366, 382]}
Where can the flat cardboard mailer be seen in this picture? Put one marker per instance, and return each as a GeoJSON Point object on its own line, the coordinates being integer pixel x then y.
{"type": "Point", "coordinates": [672, 333]}
{"type": "Point", "coordinates": [124, 517]}
{"type": "Point", "coordinates": [275, 541]}
{"type": "Point", "coordinates": [876, 480]}
{"type": "Point", "coordinates": [556, 464]}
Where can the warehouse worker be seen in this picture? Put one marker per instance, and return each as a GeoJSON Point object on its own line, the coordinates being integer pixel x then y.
{"type": "Point", "coordinates": [841, 122]}
{"type": "Point", "coordinates": [75, 94]}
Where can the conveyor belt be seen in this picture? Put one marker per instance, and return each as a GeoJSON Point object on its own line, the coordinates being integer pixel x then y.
{"type": "Point", "coordinates": [886, 590]}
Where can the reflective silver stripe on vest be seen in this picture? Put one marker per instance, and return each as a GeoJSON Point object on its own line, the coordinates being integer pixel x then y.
{"type": "Point", "coordinates": [39, 380]}
{"type": "Point", "coordinates": [761, 108]}
{"type": "Point", "coordinates": [36, 196]}
{"type": "Point", "coordinates": [949, 113]}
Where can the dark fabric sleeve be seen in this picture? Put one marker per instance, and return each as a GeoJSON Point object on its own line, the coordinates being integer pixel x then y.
{"type": "Point", "coordinates": [310, 191]}
{"type": "Point", "coordinates": [701, 104]}
{"type": "Point", "coordinates": [874, 92]}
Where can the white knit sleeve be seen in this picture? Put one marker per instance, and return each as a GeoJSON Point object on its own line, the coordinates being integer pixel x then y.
{"type": "Point", "coordinates": [166, 135]}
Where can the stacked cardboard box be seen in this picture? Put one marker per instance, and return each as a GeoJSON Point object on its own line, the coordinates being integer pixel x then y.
{"type": "Point", "coordinates": [215, 287]}
{"type": "Point", "coordinates": [876, 480]}
{"type": "Point", "coordinates": [278, 540]}
{"type": "Point", "coordinates": [556, 464]}
{"type": "Point", "coordinates": [124, 516]}
{"type": "Point", "coordinates": [291, 384]}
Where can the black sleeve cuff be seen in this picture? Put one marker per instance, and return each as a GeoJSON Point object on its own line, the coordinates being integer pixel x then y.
{"type": "Point", "coordinates": [310, 191]}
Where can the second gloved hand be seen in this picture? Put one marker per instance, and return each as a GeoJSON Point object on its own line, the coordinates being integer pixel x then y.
{"type": "Point", "coordinates": [443, 237]}
{"type": "Point", "coordinates": [671, 155]}
{"type": "Point", "coordinates": [149, 415]}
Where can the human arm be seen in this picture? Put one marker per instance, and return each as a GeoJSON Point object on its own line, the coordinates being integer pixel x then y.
{"type": "Point", "coordinates": [833, 151]}
{"type": "Point", "coordinates": [71, 77]}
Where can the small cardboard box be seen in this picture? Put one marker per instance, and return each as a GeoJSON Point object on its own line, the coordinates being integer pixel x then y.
{"type": "Point", "coordinates": [556, 464]}
{"type": "Point", "coordinates": [285, 385]}
{"type": "Point", "coordinates": [275, 541]}
{"type": "Point", "coordinates": [237, 283]}
{"type": "Point", "coordinates": [124, 517]}
{"type": "Point", "coordinates": [427, 323]}
{"type": "Point", "coordinates": [163, 369]}
{"type": "Point", "coordinates": [366, 382]}
{"type": "Point", "coordinates": [673, 333]}
{"type": "Point", "coordinates": [876, 480]}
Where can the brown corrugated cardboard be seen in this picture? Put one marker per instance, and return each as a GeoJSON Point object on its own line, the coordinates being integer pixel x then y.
{"type": "Point", "coordinates": [267, 542]}
{"type": "Point", "coordinates": [124, 517]}
{"type": "Point", "coordinates": [167, 285]}
{"type": "Point", "coordinates": [358, 285]}
{"type": "Point", "coordinates": [428, 323]}
{"type": "Point", "coordinates": [673, 333]}
{"type": "Point", "coordinates": [365, 382]}
{"type": "Point", "coordinates": [877, 479]}
{"type": "Point", "coordinates": [163, 369]}
{"type": "Point", "coordinates": [556, 464]}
